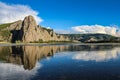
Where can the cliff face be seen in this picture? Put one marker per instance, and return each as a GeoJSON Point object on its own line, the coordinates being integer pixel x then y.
{"type": "Point", "coordinates": [28, 31]}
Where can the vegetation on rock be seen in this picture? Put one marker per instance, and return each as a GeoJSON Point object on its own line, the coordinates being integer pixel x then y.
{"type": "Point", "coordinates": [96, 38]}
{"type": "Point", "coordinates": [2, 26]}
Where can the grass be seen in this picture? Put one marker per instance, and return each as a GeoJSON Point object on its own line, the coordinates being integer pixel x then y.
{"type": "Point", "coordinates": [5, 33]}
{"type": "Point", "coordinates": [2, 26]}
{"type": "Point", "coordinates": [52, 41]}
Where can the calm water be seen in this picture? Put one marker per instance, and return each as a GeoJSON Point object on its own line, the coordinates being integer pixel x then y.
{"type": "Point", "coordinates": [60, 62]}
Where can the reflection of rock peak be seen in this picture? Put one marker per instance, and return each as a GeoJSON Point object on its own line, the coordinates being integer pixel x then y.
{"type": "Point", "coordinates": [28, 56]}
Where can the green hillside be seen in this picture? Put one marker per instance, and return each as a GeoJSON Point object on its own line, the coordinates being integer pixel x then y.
{"type": "Point", "coordinates": [2, 26]}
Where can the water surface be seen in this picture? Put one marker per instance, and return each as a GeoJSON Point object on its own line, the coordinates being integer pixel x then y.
{"type": "Point", "coordinates": [60, 62]}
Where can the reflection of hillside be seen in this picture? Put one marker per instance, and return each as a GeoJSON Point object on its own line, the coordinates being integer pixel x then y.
{"type": "Point", "coordinates": [28, 55]}
{"type": "Point", "coordinates": [4, 53]}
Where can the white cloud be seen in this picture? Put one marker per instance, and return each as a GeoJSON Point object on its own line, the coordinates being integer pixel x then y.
{"type": "Point", "coordinates": [84, 29]}
{"type": "Point", "coordinates": [13, 12]}
{"type": "Point", "coordinates": [48, 28]}
{"type": "Point", "coordinates": [60, 31]}
{"type": "Point", "coordinates": [96, 29]}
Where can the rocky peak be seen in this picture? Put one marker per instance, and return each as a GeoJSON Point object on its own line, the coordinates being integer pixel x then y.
{"type": "Point", "coordinates": [29, 22]}
{"type": "Point", "coordinates": [29, 30]}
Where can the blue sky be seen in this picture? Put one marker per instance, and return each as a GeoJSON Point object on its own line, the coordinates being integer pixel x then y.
{"type": "Point", "coordinates": [65, 14]}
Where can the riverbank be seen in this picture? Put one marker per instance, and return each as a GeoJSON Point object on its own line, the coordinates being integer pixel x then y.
{"type": "Point", "coordinates": [54, 43]}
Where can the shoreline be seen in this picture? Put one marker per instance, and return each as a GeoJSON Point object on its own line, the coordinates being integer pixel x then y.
{"type": "Point", "coordinates": [50, 44]}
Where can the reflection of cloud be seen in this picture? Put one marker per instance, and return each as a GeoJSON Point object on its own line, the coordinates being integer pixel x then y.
{"type": "Point", "coordinates": [16, 72]}
{"type": "Point", "coordinates": [97, 55]}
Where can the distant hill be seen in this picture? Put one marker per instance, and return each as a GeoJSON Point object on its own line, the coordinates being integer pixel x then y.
{"type": "Point", "coordinates": [87, 38]}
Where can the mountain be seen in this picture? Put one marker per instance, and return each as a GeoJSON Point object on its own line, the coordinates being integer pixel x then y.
{"type": "Point", "coordinates": [88, 38]}
{"type": "Point", "coordinates": [28, 31]}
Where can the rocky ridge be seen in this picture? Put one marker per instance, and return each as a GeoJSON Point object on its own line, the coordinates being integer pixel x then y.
{"type": "Point", "coordinates": [28, 31]}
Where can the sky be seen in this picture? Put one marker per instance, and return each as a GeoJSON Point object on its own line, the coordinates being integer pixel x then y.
{"type": "Point", "coordinates": [66, 16]}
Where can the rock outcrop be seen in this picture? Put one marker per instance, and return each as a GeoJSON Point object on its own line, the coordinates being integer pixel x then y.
{"type": "Point", "coordinates": [28, 31]}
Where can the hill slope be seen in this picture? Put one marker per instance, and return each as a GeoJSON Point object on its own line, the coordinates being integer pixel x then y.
{"type": "Point", "coordinates": [93, 37]}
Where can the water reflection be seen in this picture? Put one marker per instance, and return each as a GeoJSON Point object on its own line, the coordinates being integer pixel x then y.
{"type": "Point", "coordinates": [24, 62]}
{"type": "Point", "coordinates": [14, 72]}
{"type": "Point", "coordinates": [98, 56]}
{"type": "Point", "coordinates": [21, 62]}
{"type": "Point", "coordinates": [28, 56]}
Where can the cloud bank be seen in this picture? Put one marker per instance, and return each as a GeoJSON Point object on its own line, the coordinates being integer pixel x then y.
{"type": "Point", "coordinates": [96, 29]}
{"type": "Point", "coordinates": [12, 12]}
{"type": "Point", "coordinates": [87, 29]}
